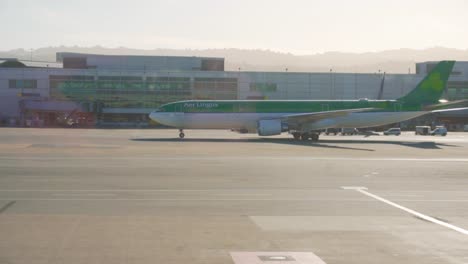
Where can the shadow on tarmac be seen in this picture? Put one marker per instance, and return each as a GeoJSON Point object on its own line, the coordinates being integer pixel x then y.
{"type": "Point", "coordinates": [320, 144]}
{"type": "Point", "coordinates": [413, 144]}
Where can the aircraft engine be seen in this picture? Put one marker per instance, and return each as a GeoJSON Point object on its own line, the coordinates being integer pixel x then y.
{"type": "Point", "coordinates": [269, 127]}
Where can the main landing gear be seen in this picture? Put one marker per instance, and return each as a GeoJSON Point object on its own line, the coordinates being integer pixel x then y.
{"type": "Point", "coordinates": [306, 136]}
{"type": "Point", "coordinates": [181, 133]}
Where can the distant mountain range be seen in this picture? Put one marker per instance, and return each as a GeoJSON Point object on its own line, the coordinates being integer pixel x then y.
{"type": "Point", "coordinates": [390, 61]}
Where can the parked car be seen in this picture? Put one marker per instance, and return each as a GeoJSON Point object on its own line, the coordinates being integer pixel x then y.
{"type": "Point", "coordinates": [393, 131]}
{"type": "Point", "coordinates": [422, 130]}
{"type": "Point", "coordinates": [439, 130]}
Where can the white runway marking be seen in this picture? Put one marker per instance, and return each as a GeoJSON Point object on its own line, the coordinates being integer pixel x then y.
{"type": "Point", "coordinates": [415, 213]}
{"type": "Point", "coordinates": [153, 190]}
{"type": "Point", "coordinates": [353, 187]}
{"type": "Point", "coordinates": [172, 199]}
{"type": "Point", "coordinates": [262, 257]}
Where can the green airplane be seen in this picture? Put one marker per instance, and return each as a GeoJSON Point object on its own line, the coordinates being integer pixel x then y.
{"type": "Point", "coordinates": [305, 118]}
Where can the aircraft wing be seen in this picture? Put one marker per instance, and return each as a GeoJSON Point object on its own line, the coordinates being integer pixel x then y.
{"type": "Point", "coordinates": [309, 117]}
{"type": "Point", "coordinates": [444, 105]}
{"type": "Point", "coordinates": [450, 110]}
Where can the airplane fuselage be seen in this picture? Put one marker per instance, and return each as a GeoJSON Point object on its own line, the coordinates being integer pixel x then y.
{"type": "Point", "coordinates": [245, 114]}
{"type": "Point", "coordinates": [248, 121]}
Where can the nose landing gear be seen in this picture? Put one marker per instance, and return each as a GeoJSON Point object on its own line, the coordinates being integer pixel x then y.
{"type": "Point", "coordinates": [181, 133]}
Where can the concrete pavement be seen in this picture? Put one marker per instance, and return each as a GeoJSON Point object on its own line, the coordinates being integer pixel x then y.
{"type": "Point", "coordinates": [144, 196]}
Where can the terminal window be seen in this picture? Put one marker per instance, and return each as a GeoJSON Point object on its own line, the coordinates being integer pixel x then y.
{"type": "Point", "coordinates": [263, 87]}
{"type": "Point", "coordinates": [215, 88]}
{"type": "Point", "coordinates": [26, 84]}
{"type": "Point", "coordinates": [212, 65]}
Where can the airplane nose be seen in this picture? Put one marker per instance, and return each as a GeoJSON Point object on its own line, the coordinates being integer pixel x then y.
{"type": "Point", "coordinates": [155, 116]}
{"type": "Point", "coordinates": [167, 119]}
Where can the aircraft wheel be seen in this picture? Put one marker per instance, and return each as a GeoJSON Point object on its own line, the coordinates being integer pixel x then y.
{"type": "Point", "coordinates": [181, 135]}
{"type": "Point", "coordinates": [305, 136]}
{"type": "Point", "coordinates": [315, 137]}
{"type": "Point", "coordinates": [296, 135]}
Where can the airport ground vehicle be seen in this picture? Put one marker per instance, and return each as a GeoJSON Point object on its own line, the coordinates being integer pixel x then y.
{"type": "Point", "coordinates": [76, 119]}
{"type": "Point", "coordinates": [349, 131]}
{"type": "Point", "coordinates": [368, 133]}
{"type": "Point", "coordinates": [333, 131]}
{"type": "Point", "coordinates": [422, 130]}
{"type": "Point", "coordinates": [392, 131]}
{"type": "Point", "coordinates": [439, 130]}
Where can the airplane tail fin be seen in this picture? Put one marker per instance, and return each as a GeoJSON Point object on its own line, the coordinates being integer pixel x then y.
{"type": "Point", "coordinates": [430, 89]}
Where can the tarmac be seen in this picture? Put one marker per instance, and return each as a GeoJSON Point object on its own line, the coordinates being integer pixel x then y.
{"type": "Point", "coordinates": [145, 196]}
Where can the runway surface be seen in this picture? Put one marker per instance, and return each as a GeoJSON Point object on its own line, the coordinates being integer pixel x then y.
{"type": "Point", "coordinates": [144, 196]}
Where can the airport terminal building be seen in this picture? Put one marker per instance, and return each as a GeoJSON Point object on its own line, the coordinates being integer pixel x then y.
{"type": "Point", "coordinates": [114, 89]}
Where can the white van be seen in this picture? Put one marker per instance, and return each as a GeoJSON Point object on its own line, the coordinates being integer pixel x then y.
{"type": "Point", "coordinates": [439, 130]}
{"type": "Point", "coordinates": [392, 131]}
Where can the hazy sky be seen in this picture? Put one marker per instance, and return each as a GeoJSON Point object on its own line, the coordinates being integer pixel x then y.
{"type": "Point", "coordinates": [296, 26]}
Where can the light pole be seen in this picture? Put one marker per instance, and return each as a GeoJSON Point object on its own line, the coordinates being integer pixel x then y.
{"type": "Point", "coordinates": [331, 84]}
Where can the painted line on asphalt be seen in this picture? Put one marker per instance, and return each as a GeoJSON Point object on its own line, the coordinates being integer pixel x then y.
{"type": "Point", "coordinates": [275, 257]}
{"type": "Point", "coordinates": [208, 199]}
{"type": "Point", "coordinates": [158, 190]}
{"type": "Point", "coordinates": [174, 199]}
{"type": "Point", "coordinates": [83, 194]}
{"type": "Point", "coordinates": [364, 191]}
{"type": "Point", "coordinates": [188, 158]}
{"type": "Point", "coordinates": [223, 191]}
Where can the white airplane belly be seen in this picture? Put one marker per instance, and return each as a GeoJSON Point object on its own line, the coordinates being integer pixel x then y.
{"type": "Point", "coordinates": [225, 120]}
